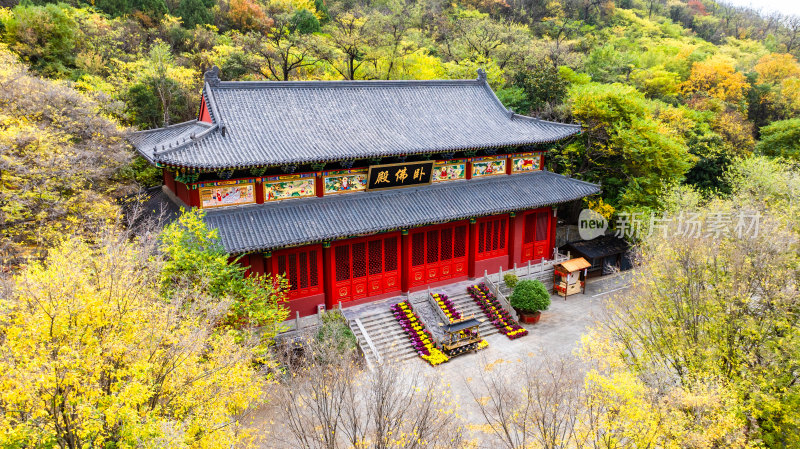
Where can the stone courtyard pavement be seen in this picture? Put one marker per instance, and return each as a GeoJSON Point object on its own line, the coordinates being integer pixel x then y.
{"type": "Point", "coordinates": [558, 332]}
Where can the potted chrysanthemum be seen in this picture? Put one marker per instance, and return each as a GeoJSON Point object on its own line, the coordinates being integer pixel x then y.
{"type": "Point", "coordinates": [529, 298]}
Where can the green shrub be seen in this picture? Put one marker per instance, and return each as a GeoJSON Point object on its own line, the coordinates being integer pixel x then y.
{"type": "Point", "coordinates": [511, 280]}
{"type": "Point", "coordinates": [530, 296]}
{"type": "Point", "coordinates": [335, 331]}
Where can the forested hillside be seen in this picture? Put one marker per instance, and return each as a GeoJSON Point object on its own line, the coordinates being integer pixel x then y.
{"type": "Point", "coordinates": [669, 92]}
{"type": "Point", "coordinates": [112, 338]}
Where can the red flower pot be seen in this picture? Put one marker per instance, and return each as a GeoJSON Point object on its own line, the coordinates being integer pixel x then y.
{"type": "Point", "coordinates": [529, 318]}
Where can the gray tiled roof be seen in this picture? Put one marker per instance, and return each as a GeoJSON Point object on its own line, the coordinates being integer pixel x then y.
{"type": "Point", "coordinates": [292, 222]}
{"type": "Point", "coordinates": [602, 246]}
{"type": "Point", "coordinates": [275, 123]}
{"type": "Point", "coordinates": [171, 135]}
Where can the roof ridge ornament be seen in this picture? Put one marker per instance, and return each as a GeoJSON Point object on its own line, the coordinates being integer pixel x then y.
{"type": "Point", "coordinates": [481, 74]}
{"type": "Point", "coordinates": [212, 76]}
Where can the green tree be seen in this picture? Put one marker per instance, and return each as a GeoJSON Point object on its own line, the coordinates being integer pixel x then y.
{"type": "Point", "coordinates": [45, 36]}
{"type": "Point", "coordinates": [193, 13]}
{"type": "Point", "coordinates": [543, 85]}
{"type": "Point", "coordinates": [348, 44]}
{"type": "Point", "coordinates": [781, 138]}
{"type": "Point", "coordinates": [627, 146]}
{"type": "Point", "coordinates": [196, 261]}
{"type": "Point", "coordinates": [304, 21]}
{"type": "Point", "coordinates": [283, 51]}
{"type": "Point", "coordinates": [160, 90]}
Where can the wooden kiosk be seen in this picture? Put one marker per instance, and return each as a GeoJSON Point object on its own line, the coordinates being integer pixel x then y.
{"type": "Point", "coordinates": [461, 336]}
{"type": "Point", "coordinates": [570, 277]}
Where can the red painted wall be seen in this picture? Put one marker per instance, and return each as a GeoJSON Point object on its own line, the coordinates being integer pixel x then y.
{"type": "Point", "coordinates": [490, 266]}
{"type": "Point", "coordinates": [204, 115]}
{"type": "Point", "coordinates": [182, 191]}
{"type": "Point", "coordinates": [169, 180]}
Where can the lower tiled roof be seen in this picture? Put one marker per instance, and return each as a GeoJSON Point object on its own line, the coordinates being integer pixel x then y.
{"type": "Point", "coordinates": [293, 222]}
{"type": "Point", "coordinates": [602, 246]}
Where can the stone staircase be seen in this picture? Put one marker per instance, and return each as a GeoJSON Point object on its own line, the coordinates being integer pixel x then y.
{"type": "Point", "coordinates": [382, 339]}
{"type": "Point", "coordinates": [382, 334]}
{"type": "Point", "coordinates": [466, 306]}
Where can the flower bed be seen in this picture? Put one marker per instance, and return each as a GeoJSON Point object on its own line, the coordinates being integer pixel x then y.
{"type": "Point", "coordinates": [447, 306]}
{"type": "Point", "coordinates": [454, 315]}
{"type": "Point", "coordinates": [499, 317]}
{"type": "Point", "coordinates": [421, 339]}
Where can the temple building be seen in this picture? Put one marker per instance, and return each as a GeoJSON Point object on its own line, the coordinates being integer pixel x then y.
{"type": "Point", "coordinates": [360, 190]}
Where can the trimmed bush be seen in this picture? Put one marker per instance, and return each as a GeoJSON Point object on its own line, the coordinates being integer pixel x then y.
{"type": "Point", "coordinates": [530, 296]}
{"type": "Point", "coordinates": [511, 280]}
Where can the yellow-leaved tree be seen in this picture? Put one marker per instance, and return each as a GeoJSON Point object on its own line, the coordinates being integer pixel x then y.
{"type": "Point", "coordinates": [61, 162]}
{"type": "Point", "coordinates": [701, 351]}
{"type": "Point", "coordinates": [717, 78]}
{"type": "Point", "coordinates": [93, 356]}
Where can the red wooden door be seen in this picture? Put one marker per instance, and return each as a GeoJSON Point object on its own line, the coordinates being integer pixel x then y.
{"type": "Point", "coordinates": [365, 267]}
{"type": "Point", "coordinates": [536, 244]}
{"type": "Point", "coordinates": [492, 237]}
{"type": "Point", "coordinates": [438, 253]}
{"type": "Point", "coordinates": [301, 266]}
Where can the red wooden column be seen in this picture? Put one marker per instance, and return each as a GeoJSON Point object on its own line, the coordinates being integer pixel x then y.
{"type": "Point", "coordinates": [259, 186]}
{"type": "Point", "coordinates": [327, 274]}
{"type": "Point", "coordinates": [553, 223]}
{"type": "Point", "coordinates": [319, 185]}
{"type": "Point", "coordinates": [268, 263]}
{"type": "Point", "coordinates": [513, 252]}
{"type": "Point", "coordinates": [473, 248]}
{"type": "Point", "coordinates": [405, 260]}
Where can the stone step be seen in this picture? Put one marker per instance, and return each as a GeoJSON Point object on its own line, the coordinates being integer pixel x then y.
{"type": "Point", "coordinates": [391, 341]}
{"type": "Point", "coordinates": [467, 306]}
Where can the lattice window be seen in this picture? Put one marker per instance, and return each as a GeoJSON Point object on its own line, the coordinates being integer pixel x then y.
{"type": "Point", "coordinates": [502, 235]}
{"type": "Point", "coordinates": [390, 254]}
{"type": "Point", "coordinates": [492, 228]}
{"type": "Point", "coordinates": [460, 242]}
{"type": "Point", "coordinates": [447, 244]}
{"type": "Point", "coordinates": [481, 237]}
{"type": "Point", "coordinates": [342, 255]}
{"type": "Point", "coordinates": [291, 271]}
{"type": "Point", "coordinates": [313, 274]}
{"type": "Point", "coordinates": [492, 237]}
{"type": "Point", "coordinates": [359, 260]}
{"type": "Point", "coordinates": [418, 249]}
{"type": "Point", "coordinates": [302, 261]}
{"type": "Point", "coordinates": [530, 231]}
{"type": "Point", "coordinates": [541, 226]}
{"type": "Point", "coordinates": [433, 246]}
{"type": "Point", "coordinates": [281, 265]}
{"type": "Point", "coordinates": [375, 257]}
